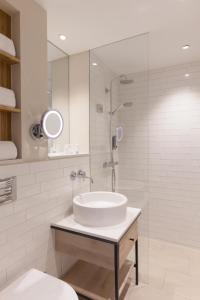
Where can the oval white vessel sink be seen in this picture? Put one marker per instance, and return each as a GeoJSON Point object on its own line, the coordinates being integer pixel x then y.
{"type": "Point", "coordinates": [99, 209]}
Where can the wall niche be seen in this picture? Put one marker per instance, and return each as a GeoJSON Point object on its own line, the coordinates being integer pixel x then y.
{"type": "Point", "coordinates": [10, 116]}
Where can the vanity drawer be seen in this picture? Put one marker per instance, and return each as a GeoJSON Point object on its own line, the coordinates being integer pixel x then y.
{"type": "Point", "coordinates": [86, 249]}
{"type": "Point", "coordinates": [127, 242]}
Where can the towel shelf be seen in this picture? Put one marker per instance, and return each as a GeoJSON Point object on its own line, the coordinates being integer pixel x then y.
{"type": "Point", "coordinates": [10, 78]}
{"type": "Point", "coordinates": [9, 59]}
{"type": "Point", "coordinates": [9, 109]}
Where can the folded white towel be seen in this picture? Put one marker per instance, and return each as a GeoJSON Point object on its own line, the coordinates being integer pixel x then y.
{"type": "Point", "coordinates": [7, 45]}
{"type": "Point", "coordinates": [8, 150]}
{"type": "Point", "coordinates": [7, 97]}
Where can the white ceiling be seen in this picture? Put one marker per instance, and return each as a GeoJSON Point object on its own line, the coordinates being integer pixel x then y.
{"type": "Point", "coordinates": [92, 23]}
{"type": "Point", "coordinates": [124, 57]}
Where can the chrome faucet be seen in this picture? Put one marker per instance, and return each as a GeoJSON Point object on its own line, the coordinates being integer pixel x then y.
{"type": "Point", "coordinates": [82, 174]}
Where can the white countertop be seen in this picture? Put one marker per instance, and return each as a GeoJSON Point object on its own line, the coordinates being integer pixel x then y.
{"type": "Point", "coordinates": [36, 285]}
{"type": "Point", "coordinates": [110, 233]}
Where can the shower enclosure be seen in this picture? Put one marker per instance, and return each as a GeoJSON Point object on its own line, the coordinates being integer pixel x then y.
{"type": "Point", "coordinates": [119, 126]}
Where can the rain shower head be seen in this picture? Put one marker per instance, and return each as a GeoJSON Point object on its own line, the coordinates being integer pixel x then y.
{"type": "Point", "coordinates": [126, 104]}
{"type": "Point", "coordinates": [125, 80]}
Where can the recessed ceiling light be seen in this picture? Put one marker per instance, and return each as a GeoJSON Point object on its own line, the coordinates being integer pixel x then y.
{"type": "Point", "coordinates": [187, 75]}
{"type": "Point", "coordinates": [95, 64]}
{"type": "Point", "coordinates": [185, 47]}
{"type": "Point", "coordinates": [62, 37]}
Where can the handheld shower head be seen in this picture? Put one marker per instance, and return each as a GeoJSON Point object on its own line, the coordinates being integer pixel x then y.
{"type": "Point", "coordinates": [126, 104]}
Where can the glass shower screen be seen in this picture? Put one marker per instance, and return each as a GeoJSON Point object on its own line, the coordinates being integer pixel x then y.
{"type": "Point", "coordinates": [119, 104]}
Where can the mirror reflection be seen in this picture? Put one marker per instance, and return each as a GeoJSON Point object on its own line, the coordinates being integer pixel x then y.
{"type": "Point", "coordinates": [68, 93]}
{"type": "Point", "coordinates": [58, 95]}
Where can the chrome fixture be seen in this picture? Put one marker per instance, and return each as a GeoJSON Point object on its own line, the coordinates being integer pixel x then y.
{"type": "Point", "coordinates": [126, 104]}
{"type": "Point", "coordinates": [50, 126]}
{"type": "Point", "coordinates": [123, 79]}
{"type": "Point", "coordinates": [107, 90]}
{"type": "Point", "coordinates": [7, 189]}
{"type": "Point", "coordinates": [73, 175]}
{"type": "Point", "coordinates": [82, 174]}
{"type": "Point", "coordinates": [99, 108]}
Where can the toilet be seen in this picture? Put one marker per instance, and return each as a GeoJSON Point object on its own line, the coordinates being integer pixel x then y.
{"type": "Point", "coordinates": [37, 285]}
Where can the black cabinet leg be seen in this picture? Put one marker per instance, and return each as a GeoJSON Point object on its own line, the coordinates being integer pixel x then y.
{"type": "Point", "coordinates": [136, 264]}
{"type": "Point", "coordinates": [116, 273]}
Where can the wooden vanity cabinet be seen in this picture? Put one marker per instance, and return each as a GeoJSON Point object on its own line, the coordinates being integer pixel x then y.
{"type": "Point", "coordinates": [102, 270]}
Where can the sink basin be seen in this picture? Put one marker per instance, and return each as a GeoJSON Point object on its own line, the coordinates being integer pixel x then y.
{"type": "Point", "coordinates": [99, 209]}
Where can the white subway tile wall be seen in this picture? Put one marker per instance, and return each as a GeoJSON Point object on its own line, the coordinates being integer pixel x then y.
{"type": "Point", "coordinates": [44, 195]}
{"type": "Point", "coordinates": [161, 151]}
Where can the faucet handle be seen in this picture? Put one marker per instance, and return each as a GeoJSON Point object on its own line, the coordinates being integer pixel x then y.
{"type": "Point", "coordinates": [73, 175]}
{"type": "Point", "coordinates": [81, 174]}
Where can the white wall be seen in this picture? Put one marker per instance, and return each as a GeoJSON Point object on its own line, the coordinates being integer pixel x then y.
{"type": "Point", "coordinates": [79, 100]}
{"type": "Point", "coordinates": [163, 137]}
{"type": "Point", "coordinates": [44, 195]}
{"type": "Point", "coordinates": [44, 189]}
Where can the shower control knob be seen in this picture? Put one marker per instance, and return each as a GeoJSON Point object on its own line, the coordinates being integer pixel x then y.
{"type": "Point", "coordinates": [73, 175]}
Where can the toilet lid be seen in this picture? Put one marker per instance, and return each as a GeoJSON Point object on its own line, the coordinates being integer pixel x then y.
{"type": "Point", "coordinates": [38, 285]}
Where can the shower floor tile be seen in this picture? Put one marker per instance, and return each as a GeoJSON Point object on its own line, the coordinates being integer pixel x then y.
{"type": "Point", "coordinates": [173, 272]}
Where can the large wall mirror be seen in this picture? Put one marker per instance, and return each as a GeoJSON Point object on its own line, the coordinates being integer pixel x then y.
{"type": "Point", "coordinates": [58, 94]}
{"type": "Point", "coordinates": [68, 92]}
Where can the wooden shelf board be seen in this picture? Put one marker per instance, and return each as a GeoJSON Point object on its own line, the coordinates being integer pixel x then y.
{"type": "Point", "coordinates": [6, 57]}
{"type": "Point", "coordinates": [96, 282]}
{"type": "Point", "coordinates": [9, 109]}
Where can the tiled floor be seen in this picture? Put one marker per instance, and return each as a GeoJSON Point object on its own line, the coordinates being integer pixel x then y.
{"type": "Point", "coordinates": [174, 273]}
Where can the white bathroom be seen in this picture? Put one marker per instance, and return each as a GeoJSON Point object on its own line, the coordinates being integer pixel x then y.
{"type": "Point", "coordinates": [99, 150]}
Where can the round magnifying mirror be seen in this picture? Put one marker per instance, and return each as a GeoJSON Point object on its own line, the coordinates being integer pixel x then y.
{"type": "Point", "coordinates": [52, 124]}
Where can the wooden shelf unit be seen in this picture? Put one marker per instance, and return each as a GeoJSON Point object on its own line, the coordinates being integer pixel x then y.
{"type": "Point", "coordinates": [9, 109]}
{"type": "Point", "coordinates": [10, 118]}
{"type": "Point", "coordinates": [96, 282]}
{"type": "Point", "coordinates": [8, 59]}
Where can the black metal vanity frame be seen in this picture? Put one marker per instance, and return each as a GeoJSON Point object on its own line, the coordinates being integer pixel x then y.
{"type": "Point", "coordinates": [116, 257]}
